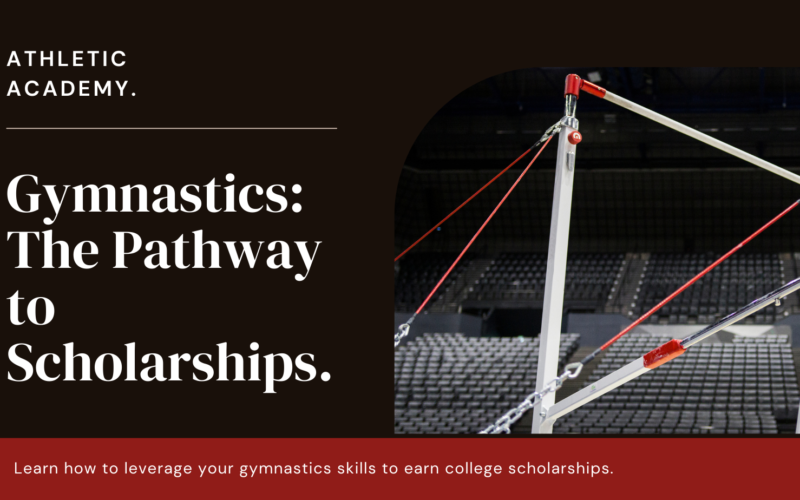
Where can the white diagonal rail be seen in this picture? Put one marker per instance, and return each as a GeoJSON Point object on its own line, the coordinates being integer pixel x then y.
{"type": "Point", "coordinates": [638, 367]}
{"type": "Point", "coordinates": [696, 134]}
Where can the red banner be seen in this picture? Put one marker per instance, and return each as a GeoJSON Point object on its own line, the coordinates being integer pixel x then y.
{"type": "Point", "coordinates": [397, 468]}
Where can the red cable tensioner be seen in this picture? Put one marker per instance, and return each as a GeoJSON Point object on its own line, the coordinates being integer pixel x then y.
{"type": "Point", "coordinates": [403, 331]}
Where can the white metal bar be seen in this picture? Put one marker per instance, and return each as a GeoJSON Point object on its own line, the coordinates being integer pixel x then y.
{"type": "Point", "coordinates": [742, 313]}
{"type": "Point", "coordinates": [550, 337]}
{"type": "Point", "coordinates": [798, 422]}
{"type": "Point", "coordinates": [696, 134]}
{"type": "Point", "coordinates": [587, 394]}
{"type": "Point", "coordinates": [636, 368]}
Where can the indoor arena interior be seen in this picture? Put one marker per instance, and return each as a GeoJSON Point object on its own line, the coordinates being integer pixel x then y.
{"type": "Point", "coordinates": [658, 229]}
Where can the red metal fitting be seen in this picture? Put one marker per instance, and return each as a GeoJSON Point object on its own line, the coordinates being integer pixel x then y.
{"type": "Point", "coordinates": [591, 88]}
{"type": "Point", "coordinates": [572, 85]}
{"type": "Point", "coordinates": [574, 137]}
{"type": "Point", "coordinates": [662, 354]}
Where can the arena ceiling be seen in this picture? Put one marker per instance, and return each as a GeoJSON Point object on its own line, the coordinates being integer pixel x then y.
{"type": "Point", "coordinates": [755, 109]}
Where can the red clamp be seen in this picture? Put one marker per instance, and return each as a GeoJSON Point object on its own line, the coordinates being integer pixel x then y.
{"type": "Point", "coordinates": [591, 88]}
{"type": "Point", "coordinates": [572, 85]}
{"type": "Point", "coordinates": [575, 84]}
{"type": "Point", "coordinates": [662, 354]}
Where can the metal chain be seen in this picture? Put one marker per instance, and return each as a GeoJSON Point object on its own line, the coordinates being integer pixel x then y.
{"type": "Point", "coordinates": [504, 423]}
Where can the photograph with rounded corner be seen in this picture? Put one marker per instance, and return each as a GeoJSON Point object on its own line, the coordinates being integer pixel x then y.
{"type": "Point", "coordinates": [602, 251]}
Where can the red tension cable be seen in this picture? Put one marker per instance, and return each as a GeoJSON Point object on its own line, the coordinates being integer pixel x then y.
{"type": "Point", "coordinates": [460, 206]}
{"type": "Point", "coordinates": [422, 306]}
{"type": "Point", "coordinates": [693, 280]}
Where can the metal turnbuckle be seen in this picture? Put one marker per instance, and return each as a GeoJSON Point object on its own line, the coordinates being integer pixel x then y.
{"type": "Point", "coordinates": [553, 130]}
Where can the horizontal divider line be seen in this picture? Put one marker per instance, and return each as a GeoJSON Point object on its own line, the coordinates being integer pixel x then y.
{"type": "Point", "coordinates": [172, 128]}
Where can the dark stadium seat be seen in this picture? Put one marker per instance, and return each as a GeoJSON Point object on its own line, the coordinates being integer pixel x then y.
{"type": "Point", "coordinates": [447, 383]}
{"type": "Point", "coordinates": [451, 384]}
{"type": "Point", "coordinates": [418, 274]}
{"type": "Point", "coordinates": [521, 276]}
{"type": "Point", "coordinates": [732, 285]}
{"type": "Point", "coordinates": [734, 388]}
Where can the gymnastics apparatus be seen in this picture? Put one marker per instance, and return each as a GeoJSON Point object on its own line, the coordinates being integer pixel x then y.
{"type": "Point", "coordinates": [544, 396]}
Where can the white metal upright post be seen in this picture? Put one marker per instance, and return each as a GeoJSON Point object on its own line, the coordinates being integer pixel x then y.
{"type": "Point", "coordinates": [550, 336]}
{"type": "Point", "coordinates": [798, 422]}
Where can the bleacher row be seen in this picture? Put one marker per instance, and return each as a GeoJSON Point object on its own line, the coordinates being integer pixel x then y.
{"type": "Point", "coordinates": [419, 274]}
{"type": "Point", "coordinates": [448, 383]}
{"type": "Point", "coordinates": [451, 384]}
{"type": "Point", "coordinates": [727, 388]}
{"type": "Point", "coordinates": [591, 279]}
{"type": "Point", "coordinates": [521, 276]}
{"type": "Point", "coordinates": [730, 286]}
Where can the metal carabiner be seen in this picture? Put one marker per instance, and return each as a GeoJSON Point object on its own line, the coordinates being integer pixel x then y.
{"type": "Point", "coordinates": [577, 367]}
{"type": "Point", "coordinates": [402, 332]}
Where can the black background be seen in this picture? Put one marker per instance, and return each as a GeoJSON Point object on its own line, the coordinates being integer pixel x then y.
{"type": "Point", "coordinates": [377, 75]}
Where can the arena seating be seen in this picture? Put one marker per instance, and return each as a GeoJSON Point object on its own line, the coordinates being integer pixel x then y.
{"type": "Point", "coordinates": [450, 384]}
{"type": "Point", "coordinates": [665, 422]}
{"type": "Point", "coordinates": [521, 276]}
{"type": "Point", "coordinates": [518, 280]}
{"type": "Point", "coordinates": [731, 388]}
{"type": "Point", "coordinates": [418, 274]}
{"type": "Point", "coordinates": [735, 283]}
